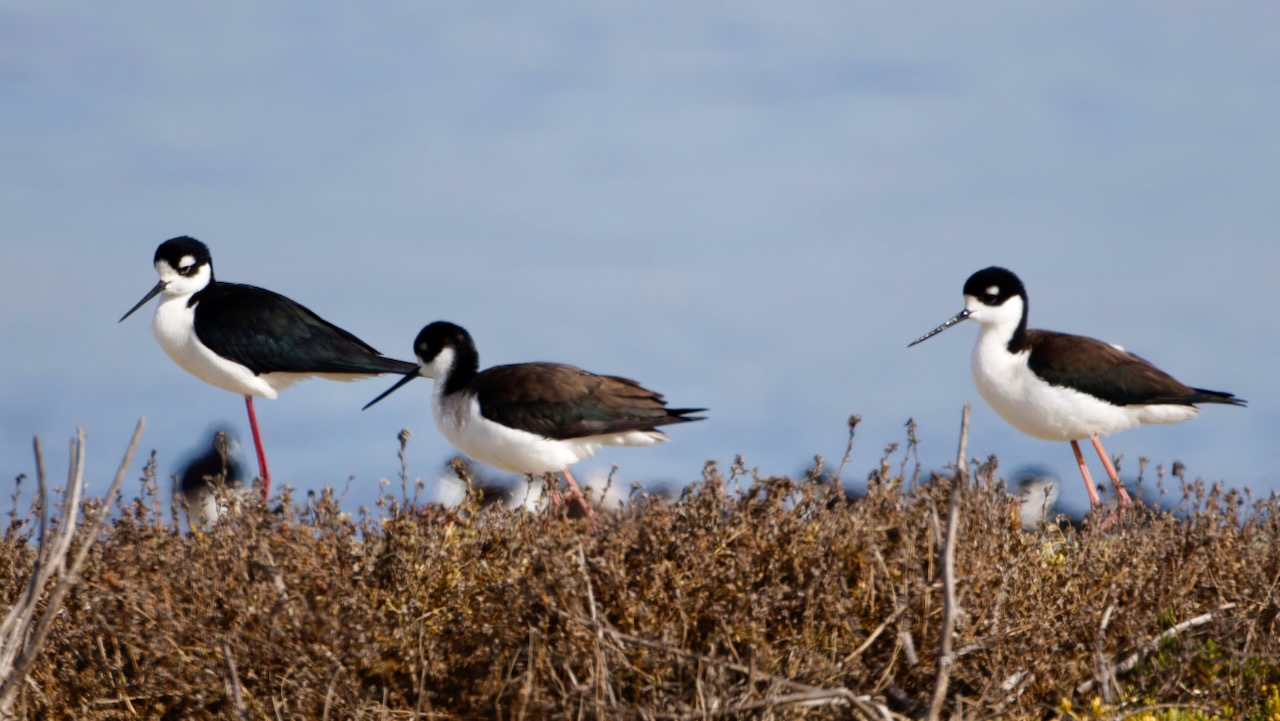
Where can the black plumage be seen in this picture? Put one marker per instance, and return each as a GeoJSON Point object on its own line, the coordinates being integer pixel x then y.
{"type": "Point", "coordinates": [1082, 363]}
{"type": "Point", "coordinates": [1020, 375]}
{"type": "Point", "coordinates": [563, 413]}
{"type": "Point", "coordinates": [268, 333]}
{"type": "Point", "coordinates": [562, 401]}
{"type": "Point", "coordinates": [553, 400]}
{"type": "Point", "coordinates": [1110, 374]}
{"type": "Point", "coordinates": [217, 331]}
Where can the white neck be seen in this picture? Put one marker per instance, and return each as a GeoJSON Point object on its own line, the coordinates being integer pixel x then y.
{"type": "Point", "coordinates": [182, 286]}
{"type": "Point", "coordinates": [1000, 321]}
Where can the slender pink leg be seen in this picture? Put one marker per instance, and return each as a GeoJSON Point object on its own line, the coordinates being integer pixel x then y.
{"type": "Point", "coordinates": [1094, 501]}
{"type": "Point", "coordinates": [257, 445]}
{"type": "Point", "coordinates": [1121, 493]}
{"type": "Point", "coordinates": [582, 498]}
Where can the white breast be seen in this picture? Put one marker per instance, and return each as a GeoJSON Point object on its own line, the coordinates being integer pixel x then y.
{"type": "Point", "coordinates": [459, 420]}
{"type": "Point", "coordinates": [1054, 413]}
{"type": "Point", "coordinates": [174, 328]}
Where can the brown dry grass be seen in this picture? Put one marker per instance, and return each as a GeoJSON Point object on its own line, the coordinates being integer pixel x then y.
{"type": "Point", "coordinates": [747, 597]}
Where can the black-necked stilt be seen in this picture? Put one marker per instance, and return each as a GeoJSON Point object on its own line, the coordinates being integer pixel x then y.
{"type": "Point", "coordinates": [1037, 492]}
{"type": "Point", "coordinates": [219, 465]}
{"type": "Point", "coordinates": [245, 339]}
{"type": "Point", "coordinates": [533, 418]}
{"type": "Point", "coordinates": [1062, 387]}
{"type": "Point", "coordinates": [524, 492]}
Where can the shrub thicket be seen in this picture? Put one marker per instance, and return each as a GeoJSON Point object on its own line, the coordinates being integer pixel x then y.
{"type": "Point", "coordinates": [745, 597]}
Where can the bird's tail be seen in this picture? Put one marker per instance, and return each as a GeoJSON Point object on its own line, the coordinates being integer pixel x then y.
{"type": "Point", "coordinates": [1205, 396]}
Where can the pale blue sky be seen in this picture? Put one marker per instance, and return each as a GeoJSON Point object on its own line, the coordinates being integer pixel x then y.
{"type": "Point", "coordinates": [752, 207]}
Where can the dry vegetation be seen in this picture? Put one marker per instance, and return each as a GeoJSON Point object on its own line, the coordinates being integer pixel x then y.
{"type": "Point", "coordinates": [747, 597]}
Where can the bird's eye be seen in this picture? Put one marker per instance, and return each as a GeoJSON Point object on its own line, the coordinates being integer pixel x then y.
{"type": "Point", "coordinates": [186, 270]}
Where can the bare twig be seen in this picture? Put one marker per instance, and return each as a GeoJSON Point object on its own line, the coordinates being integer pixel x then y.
{"type": "Point", "coordinates": [21, 612]}
{"type": "Point", "coordinates": [602, 667]}
{"type": "Point", "coordinates": [818, 697]}
{"type": "Point", "coordinates": [237, 691]}
{"type": "Point", "coordinates": [403, 437]}
{"type": "Point", "coordinates": [328, 695]}
{"type": "Point", "coordinates": [908, 645]}
{"type": "Point", "coordinates": [20, 644]}
{"type": "Point", "coordinates": [1013, 687]}
{"type": "Point", "coordinates": [854, 420]}
{"type": "Point", "coordinates": [1103, 671]}
{"type": "Point", "coordinates": [1131, 661]}
{"type": "Point", "coordinates": [827, 696]}
{"type": "Point", "coordinates": [875, 634]}
{"type": "Point", "coordinates": [945, 659]}
{"type": "Point", "coordinates": [591, 596]}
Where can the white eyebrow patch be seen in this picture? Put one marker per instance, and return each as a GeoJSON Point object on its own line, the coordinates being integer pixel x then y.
{"type": "Point", "coordinates": [993, 290]}
{"type": "Point", "coordinates": [187, 261]}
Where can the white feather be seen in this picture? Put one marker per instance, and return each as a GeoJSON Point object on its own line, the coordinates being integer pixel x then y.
{"type": "Point", "coordinates": [459, 419]}
{"type": "Point", "coordinates": [1037, 408]}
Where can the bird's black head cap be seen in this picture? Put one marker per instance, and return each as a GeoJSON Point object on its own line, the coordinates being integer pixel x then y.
{"type": "Point", "coordinates": [440, 335]}
{"type": "Point", "coordinates": [993, 286]}
{"type": "Point", "coordinates": [184, 254]}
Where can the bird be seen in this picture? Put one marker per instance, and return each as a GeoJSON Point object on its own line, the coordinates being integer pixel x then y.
{"type": "Point", "coordinates": [1037, 495]}
{"type": "Point", "coordinates": [533, 418]}
{"type": "Point", "coordinates": [520, 493]}
{"type": "Point", "coordinates": [1063, 387]}
{"type": "Point", "coordinates": [218, 465]}
{"type": "Point", "coordinates": [245, 339]}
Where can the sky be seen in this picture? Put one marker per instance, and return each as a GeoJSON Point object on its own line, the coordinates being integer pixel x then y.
{"type": "Point", "coordinates": [751, 207]}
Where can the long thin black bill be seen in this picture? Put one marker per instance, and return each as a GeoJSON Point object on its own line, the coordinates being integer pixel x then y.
{"type": "Point", "coordinates": [950, 322]}
{"type": "Point", "coordinates": [153, 293]}
{"type": "Point", "coordinates": [391, 390]}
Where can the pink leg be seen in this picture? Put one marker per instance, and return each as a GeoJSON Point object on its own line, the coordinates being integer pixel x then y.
{"type": "Point", "coordinates": [582, 498]}
{"type": "Point", "coordinates": [1121, 493]}
{"type": "Point", "coordinates": [1094, 501]}
{"type": "Point", "coordinates": [257, 445]}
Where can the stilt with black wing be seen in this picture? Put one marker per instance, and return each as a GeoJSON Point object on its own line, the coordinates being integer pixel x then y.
{"type": "Point", "coordinates": [533, 418]}
{"type": "Point", "coordinates": [1062, 387]}
{"type": "Point", "coordinates": [245, 339]}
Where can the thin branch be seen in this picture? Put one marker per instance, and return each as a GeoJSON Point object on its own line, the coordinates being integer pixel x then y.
{"type": "Point", "coordinates": [20, 613]}
{"type": "Point", "coordinates": [237, 691]}
{"type": "Point", "coordinates": [328, 695]}
{"type": "Point", "coordinates": [839, 695]}
{"type": "Point", "coordinates": [943, 676]}
{"type": "Point", "coordinates": [1131, 661]}
{"type": "Point", "coordinates": [602, 674]}
{"type": "Point", "coordinates": [854, 420]}
{"type": "Point", "coordinates": [876, 633]}
{"type": "Point", "coordinates": [819, 697]}
{"type": "Point", "coordinates": [23, 636]}
{"type": "Point", "coordinates": [1104, 673]}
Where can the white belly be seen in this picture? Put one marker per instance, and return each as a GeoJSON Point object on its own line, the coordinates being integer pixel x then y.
{"type": "Point", "coordinates": [459, 420]}
{"type": "Point", "coordinates": [174, 328]}
{"type": "Point", "coordinates": [1054, 413]}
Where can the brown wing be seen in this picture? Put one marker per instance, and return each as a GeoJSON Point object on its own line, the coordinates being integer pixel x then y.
{"type": "Point", "coordinates": [1104, 371]}
{"type": "Point", "coordinates": [561, 401]}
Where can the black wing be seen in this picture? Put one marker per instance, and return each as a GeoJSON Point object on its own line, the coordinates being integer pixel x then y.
{"type": "Point", "coordinates": [560, 401]}
{"type": "Point", "coordinates": [267, 332]}
{"type": "Point", "coordinates": [1104, 371]}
